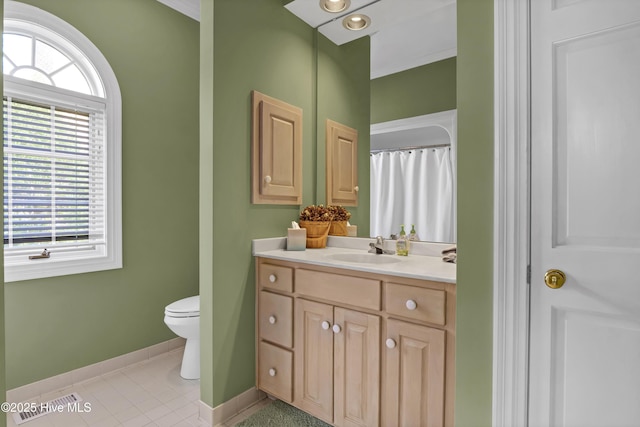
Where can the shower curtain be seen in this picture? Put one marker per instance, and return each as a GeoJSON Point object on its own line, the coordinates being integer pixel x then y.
{"type": "Point", "coordinates": [413, 187]}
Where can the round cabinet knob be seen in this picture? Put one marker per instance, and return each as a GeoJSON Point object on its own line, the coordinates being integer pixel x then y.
{"type": "Point", "coordinates": [267, 179]}
{"type": "Point", "coordinates": [272, 278]}
{"type": "Point", "coordinates": [272, 372]}
{"type": "Point", "coordinates": [325, 325]}
{"type": "Point", "coordinates": [411, 304]}
{"type": "Point", "coordinates": [390, 343]}
{"type": "Point", "coordinates": [272, 320]}
{"type": "Point", "coordinates": [336, 329]}
{"type": "Point", "coordinates": [356, 188]}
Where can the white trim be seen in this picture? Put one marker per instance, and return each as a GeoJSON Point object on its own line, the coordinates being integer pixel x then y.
{"type": "Point", "coordinates": [205, 413]}
{"type": "Point", "coordinates": [444, 119]}
{"type": "Point", "coordinates": [232, 407]}
{"type": "Point", "coordinates": [511, 214]}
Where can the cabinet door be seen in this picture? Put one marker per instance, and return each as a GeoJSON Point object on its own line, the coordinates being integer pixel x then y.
{"type": "Point", "coordinates": [313, 344]}
{"type": "Point", "coordinates": [341, 164]}
{"type": "Point", "coordinates": [414, 375]}
{"type": "Point", "coordinates": [276, 151]}
{"type": "Point", "coordinates": [356, 368]}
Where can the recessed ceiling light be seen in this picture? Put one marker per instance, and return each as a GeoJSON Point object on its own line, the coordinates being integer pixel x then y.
{"type": "Point", "coordinates": [335, 6]}
{"type": "Point", "coordinates": [356, 22]}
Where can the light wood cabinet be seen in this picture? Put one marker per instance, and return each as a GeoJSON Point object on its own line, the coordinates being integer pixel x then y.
{"type": "Point", "coordinates": [276, 151]}
{"type": "Point", "coordinates": [341, 164]}
{"type": "Point", "coordinates": [366, 350]}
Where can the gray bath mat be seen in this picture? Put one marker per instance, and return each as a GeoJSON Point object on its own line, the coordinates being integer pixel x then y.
{"type": "Point", "coordinates": [279, 414]}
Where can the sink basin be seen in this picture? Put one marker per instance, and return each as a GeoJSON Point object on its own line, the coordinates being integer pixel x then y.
{"type": "Point", "coordinates": [365, 258]}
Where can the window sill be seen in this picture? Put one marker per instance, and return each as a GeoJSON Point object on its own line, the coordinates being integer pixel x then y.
{"type": "Point", "coordinates": [24, 269]}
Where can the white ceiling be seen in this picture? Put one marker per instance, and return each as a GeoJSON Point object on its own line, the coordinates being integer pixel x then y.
{"type": "Point", "coordinates": [191, 8]}
{"type": "Point", "coordinates": [404, 33]}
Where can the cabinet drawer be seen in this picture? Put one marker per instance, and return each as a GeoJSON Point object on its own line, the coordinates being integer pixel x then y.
{"type": "Point", "coordinates": [423, 304]}
{"type": "Point", "coordinates": [276, 277]}
{"type": "Point", "coordinates": [336, 287]}
{"type": "Point", "coordinates": [275, 367]}
{"type": "Point", "coordinates": [275, 318]}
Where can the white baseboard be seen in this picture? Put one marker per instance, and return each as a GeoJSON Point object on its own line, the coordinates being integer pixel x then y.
{"type": "Point", "coordinates": [68, 379]}
{"type": "Point", "coordinates": [230, 408]}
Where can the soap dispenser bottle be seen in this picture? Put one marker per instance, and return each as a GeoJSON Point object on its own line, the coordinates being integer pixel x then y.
{"type": "Point", "coordinates": [413, 236]}
{"type": "Point", "coordinates": [402, 244]}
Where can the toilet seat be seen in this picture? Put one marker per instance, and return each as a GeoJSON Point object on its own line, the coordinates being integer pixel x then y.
{"type": "Point", "coordinates": [186, 307]}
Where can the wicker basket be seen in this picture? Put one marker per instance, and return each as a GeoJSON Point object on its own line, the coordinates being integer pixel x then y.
{"type": "Point", "coordinates": [338, 228]}
{"type": "Point", "coordinates": [317, 232]}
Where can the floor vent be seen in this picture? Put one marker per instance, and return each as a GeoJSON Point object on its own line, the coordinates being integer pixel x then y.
{"type": "Point", "coordinates": [68, 403]}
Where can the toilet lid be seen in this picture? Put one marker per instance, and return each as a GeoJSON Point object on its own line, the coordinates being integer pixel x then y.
{"type": "Point", "coordinates": [187, 307]}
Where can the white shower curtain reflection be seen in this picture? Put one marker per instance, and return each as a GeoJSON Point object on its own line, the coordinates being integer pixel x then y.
{"type": "Point", "coordinates": [413, 187]}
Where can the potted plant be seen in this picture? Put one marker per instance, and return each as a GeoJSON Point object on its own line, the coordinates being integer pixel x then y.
{"type": "Point", "coordinates": [316, 219]}
{"type": "Point", "coordinates": [340, 216]}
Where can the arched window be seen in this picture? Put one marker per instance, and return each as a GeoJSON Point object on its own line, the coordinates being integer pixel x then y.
{"type": "Point", "coordinates": [62, 149]}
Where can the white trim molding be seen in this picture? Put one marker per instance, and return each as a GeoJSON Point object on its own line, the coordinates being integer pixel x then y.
{"type": "Point", "coordinates": [511, 214]}
{"type": "Point", "coordinates": [232, 407]}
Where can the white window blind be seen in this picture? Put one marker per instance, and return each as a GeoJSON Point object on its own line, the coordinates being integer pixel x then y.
{"type": "Point", "coordinates": [54, 177]}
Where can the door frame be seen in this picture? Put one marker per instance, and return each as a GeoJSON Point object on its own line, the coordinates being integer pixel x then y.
{"type": "Point", "coordinates": [511, 246]}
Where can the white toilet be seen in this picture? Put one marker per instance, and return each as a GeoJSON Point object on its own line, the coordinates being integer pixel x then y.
{"type": "Point", "coordinates": [183, 318]}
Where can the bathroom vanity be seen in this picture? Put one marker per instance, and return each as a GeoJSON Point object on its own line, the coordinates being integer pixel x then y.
{"type": "Point", "coordinates": [357, 339]}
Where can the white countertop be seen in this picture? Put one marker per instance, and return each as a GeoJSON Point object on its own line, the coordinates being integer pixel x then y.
{"type": "Point", "coordinates": [423, 262]}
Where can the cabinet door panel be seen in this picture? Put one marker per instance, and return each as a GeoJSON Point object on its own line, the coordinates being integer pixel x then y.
{"type": "Point", "coordinates": [342, 164]}
{"type": "Point", "coordinates": [356, 369]}
{"type": "Point", "coordinates": [276, 151]}
{"type": "Point", "coordinates": [314, 359]}
{"type": "Point", "coordinates": [414, 376]}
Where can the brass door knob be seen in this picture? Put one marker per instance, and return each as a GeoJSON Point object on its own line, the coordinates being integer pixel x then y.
{"type": "Point", "coordinates": [554, 279]}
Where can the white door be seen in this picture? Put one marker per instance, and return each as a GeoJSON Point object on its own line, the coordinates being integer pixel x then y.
{"type": "Point", "coordinates": [585, 336]}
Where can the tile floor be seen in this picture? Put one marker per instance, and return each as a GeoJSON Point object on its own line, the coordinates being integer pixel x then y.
{"type": "Point", "coordinates": [149, 393]}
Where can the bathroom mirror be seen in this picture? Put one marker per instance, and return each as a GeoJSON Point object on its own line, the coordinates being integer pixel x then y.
{"type": "Point", "coordinates": [402, 45]}
{"type": "Point", "coordinates": [413, 176]}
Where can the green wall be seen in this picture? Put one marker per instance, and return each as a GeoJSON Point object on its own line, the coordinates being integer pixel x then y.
{"type": "Point", "coordinates": [475, 213]}
{"type": "Point", "coordinates": [422, 90]}
{"type": "Point", "coordinates": [344, 97]}
{"type": "Point", "coordinates": [272, 52]}
{"type": "Point", "coordinates": [59, 324]}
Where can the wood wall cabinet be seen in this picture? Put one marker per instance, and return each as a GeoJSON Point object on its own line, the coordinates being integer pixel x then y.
{"type": "Point", "coordinates": [341, 164]}
{"type": "Point", "coordinates": [276, 151]}
{"type": "Point", "coordinates": [355, 348]}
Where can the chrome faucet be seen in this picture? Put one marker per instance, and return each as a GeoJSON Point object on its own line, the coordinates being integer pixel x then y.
{"type": "Point", "coordinates": [378, 247]}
